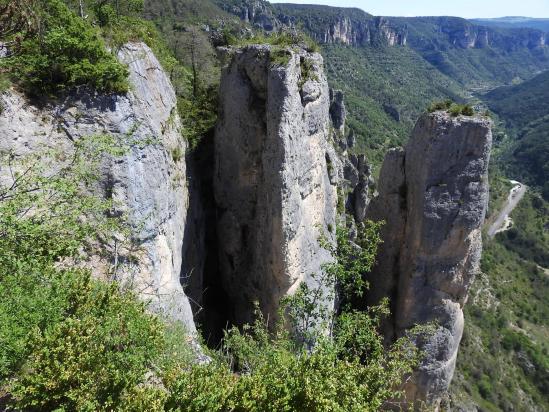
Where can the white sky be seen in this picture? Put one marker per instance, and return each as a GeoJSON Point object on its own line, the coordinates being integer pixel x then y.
{"type": "Point", "coordinates": [460, 8]}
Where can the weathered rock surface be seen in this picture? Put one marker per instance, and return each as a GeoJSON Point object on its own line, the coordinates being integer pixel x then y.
{"type": "Point", "coordinates": [351, 27]}
{"type": "Point", "coordinates": [338, 112]}
{"type": "Point", "coordinates": [272, 183]}
{"type": "Point", "coordinates": [147, 184]}
{"type": "Point", "coordinates": [433, 197]}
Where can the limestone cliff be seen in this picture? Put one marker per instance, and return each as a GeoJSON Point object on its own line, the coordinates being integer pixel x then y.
{"type": "Point", "coordinates": [433, 197]}
{"type": "Point", "coordinates": [351, 27]}
{"type": "Point", "coordinates": [463, 34]}
{"type": "Point", "coordinates": [147, 184]}
{"type": "Point", "coordinates": [258, 13]}
{"type": "Point", "coordinates": [327, 25]}
{"type": "Point", "coordinates": [272, 182]}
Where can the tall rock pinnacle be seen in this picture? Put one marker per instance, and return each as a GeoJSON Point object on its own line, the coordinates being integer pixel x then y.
{"type": "Point", "coordinates": [272, 175]}
{"type": "Point", "coordinates": [433, 197]}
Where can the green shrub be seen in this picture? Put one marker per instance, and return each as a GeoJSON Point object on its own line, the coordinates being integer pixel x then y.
{"type": "Point", "coordinates": [442, 105]}
{"type": "Point", "coordinates": [66, 52]}
{"type": "Point", "coordinates": [467, 110]}
{"type": "Point", "coordinates": [280, 57]}
{"type": "Point", "coordinates": [202, 388]}
{"type": "Point", "coordinates": [93, 357]}
{"type": "Point", "coordinates": [67, 341]}
{"type": "Point", "coordinates": [453, 108]}
{"type": "Point", "coordinates": [109, 12]}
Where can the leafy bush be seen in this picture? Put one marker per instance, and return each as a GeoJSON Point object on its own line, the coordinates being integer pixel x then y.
{"type": "Point", "coordinates": [352, 372]}
{"type": "Point", "coordinates": [94, 356]}
{"type": "Point", "coordinates": [453, 108]}
{"type": "Point", "coordinates": [67, 51]}
{"type": "Point", "coordinates": [443, 105]}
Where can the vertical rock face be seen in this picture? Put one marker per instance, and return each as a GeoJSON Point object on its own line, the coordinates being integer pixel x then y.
{"type": "Point", "coordinates": [433, 197]}
{"type": "Point", "coordinates": [147, 184]}
{"type": "Point", "coordinates": [272, 182]}
{"type": "Point", "coordinates": [338, 112]}
{"type": "Point", "coordinates": [389, 206]}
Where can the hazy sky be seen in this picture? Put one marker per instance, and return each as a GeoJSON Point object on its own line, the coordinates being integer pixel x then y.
{"type": "Point", "coordinates": [461, 8]}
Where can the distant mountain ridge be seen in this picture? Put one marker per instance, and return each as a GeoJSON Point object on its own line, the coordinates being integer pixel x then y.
{"type": "Point", "coordinates": [515, 22]}
{"type": "Point", "coordinates": [476, 56]}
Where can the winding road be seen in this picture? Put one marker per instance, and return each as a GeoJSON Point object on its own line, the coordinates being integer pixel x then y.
{"type": "Point", "coordinates": [503, 221]}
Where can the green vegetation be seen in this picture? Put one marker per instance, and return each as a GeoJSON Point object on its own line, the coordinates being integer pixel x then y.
{"type": "Point", "coordinates": [453, 108]}
{"type": "Point", "coordinates": [441, 41]}
{"type": "Point", "coordinates": [515, 22]}
{"type": "Point", "coordinates": [525, 152]}
{"type": "Point", "coordinates": [386, 90]}
{"type": "Point", "coordinates": [60, 50]}
{"type": "Point", "coordinates": [67, 341]}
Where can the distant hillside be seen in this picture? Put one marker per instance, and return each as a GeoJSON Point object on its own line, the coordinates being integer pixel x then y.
{"type": "Point", "coordinates": [526, 114]}
{"type": "Point", "coordinates": [386, 89]}
{"type": "Point", "coordinates": [477, 56]}
{"type": "Point", "coordinates": [513, 22]}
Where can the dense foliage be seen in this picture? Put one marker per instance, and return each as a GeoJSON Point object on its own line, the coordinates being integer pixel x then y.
{"type": "Point", "coordinates": [454, 109]}
{"type": "Point", "coordinates": [62, 51]}
{"type": "Point", "coordinates": [67, 340]}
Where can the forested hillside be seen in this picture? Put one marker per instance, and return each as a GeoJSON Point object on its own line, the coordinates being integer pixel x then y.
{"type": "Point", "coordinates": [526, 117]}
{"type": "Point", "coordinates": [512, 21]}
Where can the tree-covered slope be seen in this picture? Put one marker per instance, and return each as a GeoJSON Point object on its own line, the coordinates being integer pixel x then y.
{"type": "Point", "coordinates": [477, 56]}
{"type": "Point", "coordinates": [386, 89]}
{"type": "Point", "coordinates": [524, 111]}
{"type": "Point", "coordinates": [503, 363]}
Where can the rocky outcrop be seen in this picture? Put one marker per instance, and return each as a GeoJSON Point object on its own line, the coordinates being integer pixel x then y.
{"type": "Point", "coordinates": [344, 30]}
{"type": "Point", "coordinates": [433, 197]}
{"type": "Point", "coordinates": [272, 176]}
{"type": "Point", "coordinates": [353, 171]}
{"type": "Point", "coordinates": [327, 25]}
{"type": "Point", "coordinates": [147, 184]}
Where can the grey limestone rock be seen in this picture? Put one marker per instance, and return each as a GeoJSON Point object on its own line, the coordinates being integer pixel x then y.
{"type": "Point", "coordinates": [147, 184]}
{"type": "Point", "coordinates": [272, 179]}
{"type": "Point", "coordinates": [433, 197]}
